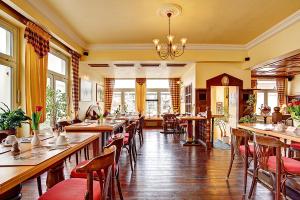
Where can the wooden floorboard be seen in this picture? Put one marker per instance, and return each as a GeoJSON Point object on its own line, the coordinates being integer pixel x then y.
{"type": "Point", "coordinates": [167, 170]}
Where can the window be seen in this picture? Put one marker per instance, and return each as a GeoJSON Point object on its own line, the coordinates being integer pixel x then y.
{"type": "Point", "coordinates": [124, 95]}
{"type": "Point", "coordinates": [266, 94]}
{"type": "Point", "coordinates": [158, 98]}
{"type": "Point", "coordinates": [8, 38]}
{"type": "Point", "coordinates": [57, 86]}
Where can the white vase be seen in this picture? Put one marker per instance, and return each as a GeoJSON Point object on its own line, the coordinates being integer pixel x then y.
{"type": "Point", "coordinates": [35, 141]}
{"type": "Point", "coordinates": [296, 123]}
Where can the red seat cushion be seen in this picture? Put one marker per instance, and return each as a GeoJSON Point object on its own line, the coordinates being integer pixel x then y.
{"type": "Point", "coordinates": [73, 189]}
{"type": "Point", "coordinates": [242, 148]}
{"type": "Point", "coordinates": [290, 165]}
{"type": "Point", "coordinates": [295, 146]}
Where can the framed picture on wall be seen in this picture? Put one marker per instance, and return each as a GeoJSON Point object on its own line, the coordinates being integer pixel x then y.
{"type": "Point", "coordinates": [86, 88]}
{"type": "Point", "coordinates": [99, 93]}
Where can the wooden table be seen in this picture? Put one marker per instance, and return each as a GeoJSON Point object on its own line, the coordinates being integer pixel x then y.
{"type": "Point", "coordinates": [267, 129]}
{"type": "Point", "coordinates": [12, 176]}
{"type": "Point", "coordinates": [190, 140]}
{"type": "Point", "coordinates": [101, 128]}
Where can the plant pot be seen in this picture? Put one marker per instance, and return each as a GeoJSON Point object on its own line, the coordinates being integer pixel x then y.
{"type": "Point", "coordinates": [5, 133]}
{"type": "Point", "coordinates": [35, 141]}
{"type": "Point", "coordinates": [296, 123]}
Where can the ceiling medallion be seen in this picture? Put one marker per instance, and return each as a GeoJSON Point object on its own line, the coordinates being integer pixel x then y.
{"type": "Point", "coordinates": [170, 49]}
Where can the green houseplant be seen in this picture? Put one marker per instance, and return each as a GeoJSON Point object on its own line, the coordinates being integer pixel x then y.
{"type": "Point", "coordinates": [294, 110]}
{"type": "Point", "coordinates": [248, 114]}
{"type": "Point", "coordinates": [10, 120]}
{"type": "Point", "coordinates": [56, 105]}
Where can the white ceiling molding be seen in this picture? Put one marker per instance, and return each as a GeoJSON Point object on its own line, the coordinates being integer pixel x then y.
{"type": "Point", "coordinates": [290, 20]}
{"type": "Point", "coordinates": [48, 13]}
{"type": "Point", "coordinates": [150, 46]}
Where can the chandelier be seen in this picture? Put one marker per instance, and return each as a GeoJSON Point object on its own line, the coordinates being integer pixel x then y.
{"type": "Point", "coordinates": [169, 49]}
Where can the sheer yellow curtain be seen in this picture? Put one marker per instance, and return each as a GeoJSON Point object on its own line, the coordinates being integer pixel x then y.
{"type": "Point", "coordinates": [36, 65]}
{"type": "Point", "coordinates": [140, 95]}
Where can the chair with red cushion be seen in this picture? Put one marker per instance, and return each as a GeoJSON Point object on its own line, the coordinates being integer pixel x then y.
{"type": "Point", "coordinates": [89, 189]}
{"type": "Point", "coordinates": [129, 143]}
{"type": "Point", "coordinates": [240, 146]}
{"type": "Point", "coordinates": [294, 148]}
{"type": "Point", "coordinates": [267, 162]}
{"type": "Point", "coordinates": [117, 141]}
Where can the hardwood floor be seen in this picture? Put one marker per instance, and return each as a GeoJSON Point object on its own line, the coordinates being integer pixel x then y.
{"type": "Point", "coordinates": [167, 170]}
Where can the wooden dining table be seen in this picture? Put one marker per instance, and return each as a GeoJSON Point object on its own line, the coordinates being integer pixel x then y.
{"type": "Point", "coordinates": [103, 129]}
{"type": "Point", "coordinates": [190, 140]}
{"type": "Point", "coordinates": [269, 130]}
{"type": "Point", "coordinates": [32, 162]}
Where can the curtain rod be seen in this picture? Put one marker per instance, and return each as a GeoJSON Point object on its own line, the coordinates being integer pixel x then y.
{"type": "Point", "coordinates": [21, 18]}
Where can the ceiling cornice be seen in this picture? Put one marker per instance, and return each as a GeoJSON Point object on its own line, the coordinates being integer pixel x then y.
{"type": "Point", "coordinates": [48, 13]}
{"type": "Point", "coordinates": [150, 46]}
{"type": "Point", "coordinates": [290, 20]}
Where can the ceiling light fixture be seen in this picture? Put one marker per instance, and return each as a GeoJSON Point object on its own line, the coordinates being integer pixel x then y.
{"type": "Point", "coordinates": [170, 49]}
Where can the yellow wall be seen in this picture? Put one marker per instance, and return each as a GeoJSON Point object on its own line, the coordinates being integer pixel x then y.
{"type": "Point", "coordinates": [206, 71]}
{"type": "Point", "coordinates": [89, 74]}
{"type": "Point", "coordinates": [188, 78]}
{"type": "Point", "coordinates": [294, 86]}
{"type": "Point", "coordinates": [284, 42]}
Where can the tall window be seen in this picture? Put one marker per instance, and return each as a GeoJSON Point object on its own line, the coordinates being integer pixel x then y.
{"type": "Point", "coordinates": [158, 98]}
{"type": "Point", "coordinates": [8, 38]}
{"type": "Point", "coordinates": [124, 95]}
{"type": "Point", "coordinates": [57, 84]}
{"type": "Point", "coordinates": [266, 94]}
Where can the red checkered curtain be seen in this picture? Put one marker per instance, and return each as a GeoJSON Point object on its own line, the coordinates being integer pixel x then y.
{"type": "Point", "coordinates": [175, 94]}
{"type": "Point", "coordinates": [75, 80]}
{"type": "Point", "coordinates": [281, 91]}
{"type": "Point", "coordinates": [109, 84]}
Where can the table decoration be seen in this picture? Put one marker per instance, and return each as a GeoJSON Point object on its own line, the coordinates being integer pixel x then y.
{"type": "Point", "coordinates": [294, 110]}
{"type": "Point", "coordinates": [36, 117]}
{"type": "Point", "coordinates": [265, 112]}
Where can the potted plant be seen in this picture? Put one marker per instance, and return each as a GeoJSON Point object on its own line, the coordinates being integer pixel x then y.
{"type": "Point", "coordinates": [56, 105]}
{"type": "Point", "coordinates": [222, 122]}
{"type": "Point", "coordinates": [294, 110]}
{"type": "Point", "coordinates": [248, 114]}
{"type": "Point", "coordinates": [10, 120]}
{"type": "Point", "coordinates": [36, 117]}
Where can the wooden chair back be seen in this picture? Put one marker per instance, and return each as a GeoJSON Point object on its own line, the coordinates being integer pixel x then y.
{"type": "Point", "coordinates": [131, 130]}
{"type": "Point", "coordinates": [118, 142]}
{"type": "Point", "coordinates": [61, 125]}
{"type": "Point", "coordinates": [265, 146]}
{"type": "Point", "coordinates": [103, 166]}
{"type": "Point", "coordinates": [239, 137]}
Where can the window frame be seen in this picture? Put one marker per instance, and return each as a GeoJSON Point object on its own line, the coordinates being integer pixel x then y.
{"type": "Point", "coordinates": [158, 91]}
{"type": "Point", "coordinates": [12, 61]}
{"type": "Point", "coordinates": [60, 77]}
{"type": "Point", "coordinates": [123, 90]}
{"type": "Point", "coordinates": [265, 92]}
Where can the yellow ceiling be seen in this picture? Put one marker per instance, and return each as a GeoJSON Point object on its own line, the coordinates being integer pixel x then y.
{"type": "Point", "coordinates": [202, 21]}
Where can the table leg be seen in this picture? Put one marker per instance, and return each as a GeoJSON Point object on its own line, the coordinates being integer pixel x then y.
{"type": "Point", "coordinates": [190, 131]}
{"type": "Point", "coordinates": [96, 147]}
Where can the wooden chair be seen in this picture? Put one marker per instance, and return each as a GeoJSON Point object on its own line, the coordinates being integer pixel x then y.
{"type": "Point", "coordinates": [241, 147]}
{"type": "Point", "coordinates": [283, 167]}
{"type": "Point", "coordinates": [88, 189]}
{"type": "Point", "coordinates": [129, 143]}
{"type": "Point", "coordinates": [117, 141]}
{"type": "Point", "coordinates": [139, 129]}
{"type": "Point", "coordinates": [170, 123]}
